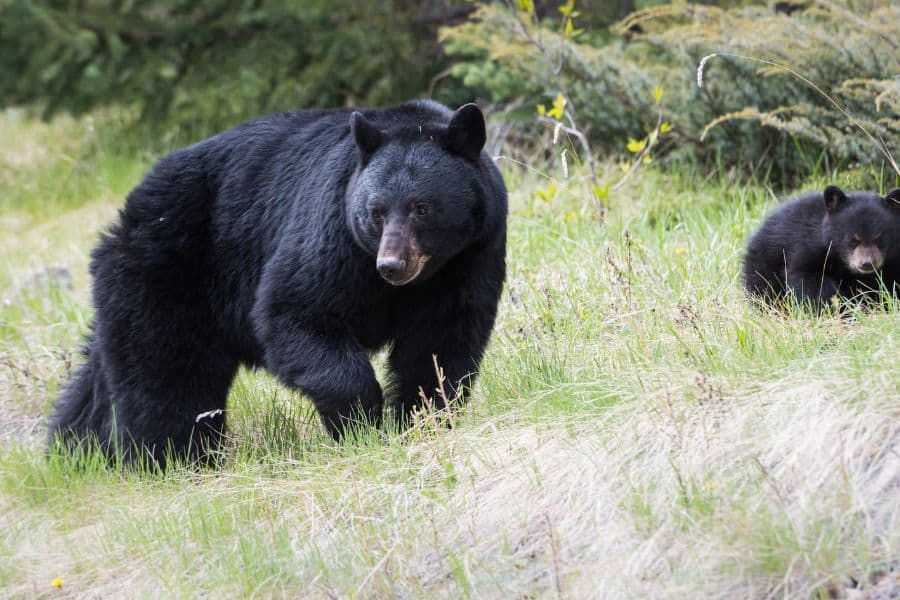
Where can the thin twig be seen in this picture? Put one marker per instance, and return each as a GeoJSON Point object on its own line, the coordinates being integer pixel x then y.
{"type": "Point", "coordinates": [521, 164]}
{"type": "Point", "coordinates": [375, 569]}
{"type": "Point", "coordinates": [651, 141]}
{"type": "Point", "coordinates": [561, 86]}
{"type": "Point", "coordinates": [557, 576]}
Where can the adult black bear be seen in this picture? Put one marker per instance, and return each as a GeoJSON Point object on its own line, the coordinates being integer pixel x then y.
{"type": "Point", "coordinates": [825, 244]}
{"type": "Point", "coordinates": [301, 242]}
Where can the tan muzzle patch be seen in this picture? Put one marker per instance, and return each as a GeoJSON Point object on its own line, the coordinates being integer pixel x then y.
{"type": "Point", "coordinates": [865, 259]}
{"type": "Point", "coordinates": [400, 260]}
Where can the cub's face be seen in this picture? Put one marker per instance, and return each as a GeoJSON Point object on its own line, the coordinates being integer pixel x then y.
{"type": "Point", "coordinates": [863, 229]}
{"type": "Point", "coordinates": [417, 200]}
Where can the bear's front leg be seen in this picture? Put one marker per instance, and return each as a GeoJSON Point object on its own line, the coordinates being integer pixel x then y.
{"type": "Point", "coordinates": [325, 363]}
{"type": "Point", "coordinates": [309, 347]}
{"type": "Point", "coordinates": [453, 332]}
{"type": "Point", "coordinates": [811, 287]}
{"type": "Point", "coordinates": [412, 363]}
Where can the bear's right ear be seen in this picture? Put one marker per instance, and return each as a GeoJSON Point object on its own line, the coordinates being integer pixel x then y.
{"type": "Point", "coordinates": [368, 137]}
{"type": "Point", "coordinates": [893, 198]}
{"type": "Point", "coordinates": [835, 198]}
{"type": "Point", "coordinates": [466, 132]}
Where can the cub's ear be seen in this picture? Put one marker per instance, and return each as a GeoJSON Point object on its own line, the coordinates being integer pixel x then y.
{"type": "Point", "coordinates": [465, 133]}
{"type": "Point", "coordinates": [368, 137]}
{"type": "Point", "coordinates": [835, 198]}
{"type": "Point", "coordinates": [893, 198]}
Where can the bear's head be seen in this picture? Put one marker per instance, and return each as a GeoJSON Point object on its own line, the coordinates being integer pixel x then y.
{"type": "Point", "coordinates": [421, 192]}
{"type": "Point", "coordinates": [862, 229]}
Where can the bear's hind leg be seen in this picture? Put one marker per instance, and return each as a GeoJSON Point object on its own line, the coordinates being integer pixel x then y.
{"type": "Point", "coordinates": [168, 391]}
{"type": "Point", "coordinates": [165, 360]}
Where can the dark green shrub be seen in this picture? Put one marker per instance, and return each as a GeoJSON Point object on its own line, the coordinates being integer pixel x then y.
{"type": "Point", "coordinates": [756, 116]}
{"type": "Point", "coordinates": [202, 66]}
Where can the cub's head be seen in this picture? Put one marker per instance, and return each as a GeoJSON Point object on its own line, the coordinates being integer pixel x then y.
{"type": "Point", "coordinates": [863, 229]}
{"type": "Point", "coordinates": [421, 193]}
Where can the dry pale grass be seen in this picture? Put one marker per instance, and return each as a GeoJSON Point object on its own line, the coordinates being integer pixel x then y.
{"type": "Point", "coordinates": [27, 248]}
{"type": "Point", "coordinates": [43, 271]}
{"type": "Point", "coordinates": [783, 492]}
{"type": "Point", "coordinates": [651, 503]}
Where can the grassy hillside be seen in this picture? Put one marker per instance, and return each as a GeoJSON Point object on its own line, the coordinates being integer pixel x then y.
{"type": "Point", "coordinates": [639, 430]}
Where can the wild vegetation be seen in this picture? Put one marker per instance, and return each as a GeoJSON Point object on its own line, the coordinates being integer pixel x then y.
{"type": "Point", "coordinates": [188, 69]}
{"type": "Point", "coordinates": [640, 429]}
{"type": "Point", "coordinates": [758, 117]}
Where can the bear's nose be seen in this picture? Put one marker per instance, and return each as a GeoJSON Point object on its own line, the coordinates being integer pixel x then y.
{"type": "Point", "coordinates": [390, 266]}
{"type": "Point", "coordinates": [867, 266]}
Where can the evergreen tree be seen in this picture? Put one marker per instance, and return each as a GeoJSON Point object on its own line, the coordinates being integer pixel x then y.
{"type": "Point", "coordinates": [207, 64]}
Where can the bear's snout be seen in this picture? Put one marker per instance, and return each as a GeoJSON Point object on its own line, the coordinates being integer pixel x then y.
{"type": "Point", "coordinates": [866, 259]}
{"type": "Point", "coordinates": [400, 260]}
{"type": "Point", "coordinates": [390, 267]}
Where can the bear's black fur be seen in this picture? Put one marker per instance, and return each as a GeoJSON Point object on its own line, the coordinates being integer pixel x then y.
{"type": "Point", "coordinates": [825, 244]}
{"type": "Point", "coordinates": [300, 242]}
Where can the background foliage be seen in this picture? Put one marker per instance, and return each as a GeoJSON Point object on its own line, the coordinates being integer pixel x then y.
{"type": "Point", "coordinates": [764, 118]}
{"type": "Point", "coordinates": [183, 70]}
{"type": "Point", "coordinates": [207, 65]}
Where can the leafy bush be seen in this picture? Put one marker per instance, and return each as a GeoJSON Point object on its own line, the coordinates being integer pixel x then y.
{"type": "Point", "coordinates": [205, 65]}
{"type": "Point", "coordinates": [756, 116]}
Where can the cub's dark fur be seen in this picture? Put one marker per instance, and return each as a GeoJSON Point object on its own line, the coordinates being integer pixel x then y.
{"type": "Point", "coordinates": [825, 244]}
{"type": "Point", "coordinates": [300, 242]}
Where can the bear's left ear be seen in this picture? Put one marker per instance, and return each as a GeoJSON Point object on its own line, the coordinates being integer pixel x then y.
{"type": "Point", "coordinates": [466, 133]}
{"type": "Point", "coordinates": [835, 198]}
{"type": "Point", "coordinates": [368, 137]}
{"type": "Point", "coordinates": [893, 198]}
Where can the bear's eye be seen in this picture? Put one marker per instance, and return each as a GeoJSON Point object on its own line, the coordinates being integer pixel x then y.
{"type": "Point", "coordinates": [855, 240]}
{"type": "Point", "coordinates": [422, 209]}
{"type": "Point", "coordinates": [377, 214]}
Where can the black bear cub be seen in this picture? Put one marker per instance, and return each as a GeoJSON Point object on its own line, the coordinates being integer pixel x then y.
{"type": "Point", "coordinates": [300, 242]}
{"type": "Point", "coordinates": [826, 244]}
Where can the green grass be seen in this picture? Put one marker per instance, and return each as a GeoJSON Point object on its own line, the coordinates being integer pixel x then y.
{"type": "Point", "coordinates": [638, 430]}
